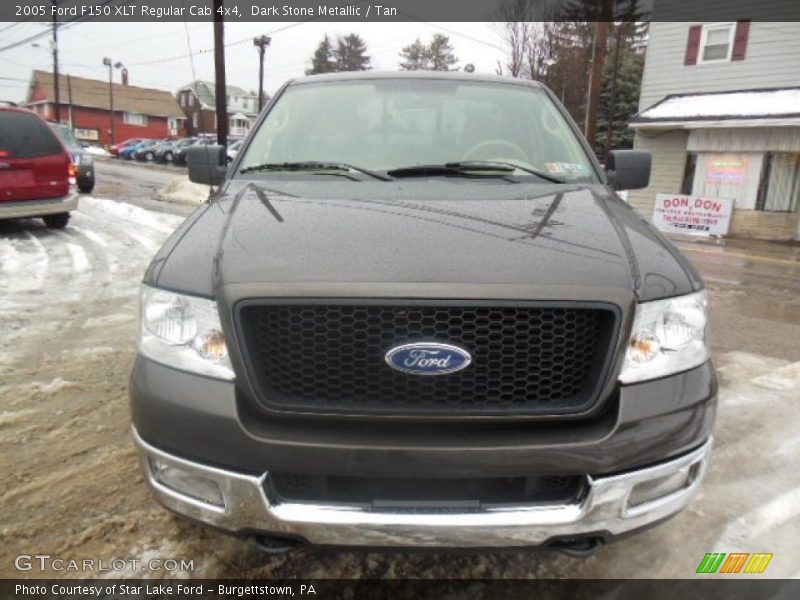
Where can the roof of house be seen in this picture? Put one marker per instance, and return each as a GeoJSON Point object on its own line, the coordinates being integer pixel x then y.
{"type": "Point", "coordinates": [206, 92]}
{"type": "Point", "coordinates": [94, 93]}
{"type": "Point", "coordinates": [742, 108]}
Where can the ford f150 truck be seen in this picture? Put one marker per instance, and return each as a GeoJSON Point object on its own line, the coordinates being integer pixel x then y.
{"type": "Point", "coordinates": [415, 313]}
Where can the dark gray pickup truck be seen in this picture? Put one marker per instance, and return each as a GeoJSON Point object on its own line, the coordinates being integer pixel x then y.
{"type": "Point", "coordinates": [415, 313]}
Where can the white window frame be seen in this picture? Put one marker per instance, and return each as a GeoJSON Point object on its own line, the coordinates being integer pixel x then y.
{"type": "Point", "coordinates": [704, 38]}
{"type": "Point", "coordinates": [195, 120]}
{"type": "Point", "coordinates": [132, 118]}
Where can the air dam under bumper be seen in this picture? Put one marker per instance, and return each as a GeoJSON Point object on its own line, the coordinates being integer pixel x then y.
{"type": "Point", "coordinates": [246, 504]}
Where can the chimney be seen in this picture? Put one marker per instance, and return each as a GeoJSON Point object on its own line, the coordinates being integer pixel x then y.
{"type": "Point", "coordinates": [124, 76]}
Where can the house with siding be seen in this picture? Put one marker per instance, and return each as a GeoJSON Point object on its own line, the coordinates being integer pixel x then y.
{"type": "Point", "coordinates": [198, 101]}
{"type": "Point", "coordinates": [720, 113]}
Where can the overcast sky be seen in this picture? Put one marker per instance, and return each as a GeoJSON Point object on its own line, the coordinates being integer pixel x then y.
{"type": "Point", "coordinates": [146, 47]}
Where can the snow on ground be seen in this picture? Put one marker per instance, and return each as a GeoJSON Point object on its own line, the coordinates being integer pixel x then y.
{"type": "Point", "coordinates": [184, 191]}
{"type": "Point", "coordinates": [128, 212]}
{"type": "Point", "coordinates": [96, 151]}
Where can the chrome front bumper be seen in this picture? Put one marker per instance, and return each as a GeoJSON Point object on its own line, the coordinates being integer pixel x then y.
{"type": "Point", "coordinates": [38, 208]}
{"type": "Point", "coordinates": [249, 506]}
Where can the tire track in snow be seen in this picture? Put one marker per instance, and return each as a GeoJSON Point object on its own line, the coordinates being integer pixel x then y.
{"type": "Point", "coordinates": [103, 245]}
{"type": "Point", "coordinates": [42, 263]}
{"type": "Point", "coordinates": [151, 245]}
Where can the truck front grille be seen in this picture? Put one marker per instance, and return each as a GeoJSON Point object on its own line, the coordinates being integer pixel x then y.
{"type": "Point", "coordinates": [329, 357]}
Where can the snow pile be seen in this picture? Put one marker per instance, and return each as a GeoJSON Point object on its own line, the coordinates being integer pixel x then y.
{"type": "Point", "coordinates": [752, 104]}
{"type": "Point", "coordinates": [184, 191]}
{"type": "Point", "coordinates": [128, 212]}
{"type": "Point", "coordinates": [96, 151]}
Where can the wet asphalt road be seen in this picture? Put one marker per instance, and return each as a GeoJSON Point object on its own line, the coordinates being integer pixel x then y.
{"type": "Point", "coordinates": [67, 322]}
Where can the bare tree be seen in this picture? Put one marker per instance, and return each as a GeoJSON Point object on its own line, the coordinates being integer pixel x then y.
{"type": "Point", "coordinates": [523, 27]}
{"type": "Point", "coordinates": [516, 25]}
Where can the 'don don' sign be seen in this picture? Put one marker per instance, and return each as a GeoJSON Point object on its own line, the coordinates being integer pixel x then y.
{"type": "Point", "coordinates": [692, 214]}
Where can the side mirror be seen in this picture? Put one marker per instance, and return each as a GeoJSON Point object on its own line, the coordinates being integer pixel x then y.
{"type": "Point", "coordinates": [207, 164]}
{"type": "Point", "coordinates": [628, 169]}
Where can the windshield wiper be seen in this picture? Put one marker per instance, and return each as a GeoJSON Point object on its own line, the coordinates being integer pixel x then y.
{"type": "Point", "coordinates": [468, 168]}
{"type": "Point", "coordinates": [312, 165]}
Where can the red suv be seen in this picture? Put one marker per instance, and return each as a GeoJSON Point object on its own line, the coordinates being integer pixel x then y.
{"type": "Point", "coordinates": [35, 169]}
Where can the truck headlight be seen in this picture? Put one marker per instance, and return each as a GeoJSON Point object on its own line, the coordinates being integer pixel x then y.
{"type": "Point", "coordinates": [668, 336]}
{"type": "Point", "coordinates": [183, 332]}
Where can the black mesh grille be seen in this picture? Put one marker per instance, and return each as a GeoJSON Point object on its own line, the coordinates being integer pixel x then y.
{"type": "Point", "coordinates": [330, 357]}
{"type": "Point", "coordinates": [419, 492]}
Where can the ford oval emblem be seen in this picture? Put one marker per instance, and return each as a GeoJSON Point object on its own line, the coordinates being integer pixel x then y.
{"type": "Point", "coordinates": [428, 358]}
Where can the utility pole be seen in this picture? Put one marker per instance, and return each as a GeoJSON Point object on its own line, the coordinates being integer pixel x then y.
{"type": "Point", "coordinates": [598, 60]}
{"type": "Point", "coordinates": [109, 63]}
{"type": "Point", "coordinates": [55, 63]}
{"type": "Point", "coordinates": [220, 89]}
{"type": "Point", "coordinates": [69, 99]}
{"type": "Point", "coordinates": [261, 43]}
{"type": "Point", "coordinates": [612, 105]}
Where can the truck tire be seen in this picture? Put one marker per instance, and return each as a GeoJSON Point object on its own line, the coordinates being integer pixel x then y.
{"type": "Point", "coordinates": [57, 221]}
{"type": "Point", "coordinates": [85, 186]}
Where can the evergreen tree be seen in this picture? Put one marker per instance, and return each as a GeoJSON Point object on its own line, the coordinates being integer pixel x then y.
{"type": "Point", "coordinates": [616, 116]}
{"type": "Point", "coordinates": [415, 57]}
{"type": "Point", "coordinates": [440, 53]}
{"type": "Point", "coordinates": [350, 54]}
{"type": "Point", "coordinates": [322, 60]}
{"type": "Point", "coordinates": [436, 56]}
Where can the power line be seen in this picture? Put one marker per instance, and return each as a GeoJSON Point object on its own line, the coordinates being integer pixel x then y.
{"type": "Point", "coordinates": [230, 44]}
{"type": "Point", "coordinates": [61, 27]}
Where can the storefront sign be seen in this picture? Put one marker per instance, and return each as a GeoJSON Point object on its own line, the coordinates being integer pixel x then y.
{"type": "Point", "coordinates": [692, 214]}
{"type": "Point", "coordinates": [725, 169]}
{"type": "Point", "coordinates": [90, 135]}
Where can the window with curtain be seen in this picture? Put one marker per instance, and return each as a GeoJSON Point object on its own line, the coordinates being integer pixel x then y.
{"type": "Point", "coordinates": [781, 178]}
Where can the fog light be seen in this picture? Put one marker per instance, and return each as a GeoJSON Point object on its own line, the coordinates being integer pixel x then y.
{"type": "Point", "coordinates": [654, 489]}
{"type": "Point", "coordinates": [187, 483]}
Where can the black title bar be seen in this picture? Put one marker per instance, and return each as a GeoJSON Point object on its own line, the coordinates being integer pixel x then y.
{"type": "Point", "coordinates": [376, 11]}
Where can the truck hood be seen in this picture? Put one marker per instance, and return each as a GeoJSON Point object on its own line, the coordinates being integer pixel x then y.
{"type": "Point", "coordinates": [463, 233]}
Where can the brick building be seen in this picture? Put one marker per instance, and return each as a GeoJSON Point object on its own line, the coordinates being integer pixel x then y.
{"type": "Point", "coordinates": [138, 112]}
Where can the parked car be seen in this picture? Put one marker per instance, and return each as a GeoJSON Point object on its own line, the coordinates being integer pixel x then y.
{"type": "Point", "coordinates": [145, 151]}
{"type": "Point", "coordinates": [114, 149]}
{"type": "Point", "coordinates": [180, 153]}
{"type": "Point", "coordinates": [35, 170]}
{"type": "Point", "coordinates": [166, 152]}
{"type": "Point", "coordinates": [417, 313]}
{"type": "Point", "coordinates": [126, 152]}
{"type": "Point", "coordinates": [81, 159]}
{"type": "Point", "coordinates": [233, 149]}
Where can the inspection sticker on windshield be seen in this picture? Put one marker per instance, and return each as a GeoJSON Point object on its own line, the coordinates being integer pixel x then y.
{"type": "Point", "coordinates": [569, 169]}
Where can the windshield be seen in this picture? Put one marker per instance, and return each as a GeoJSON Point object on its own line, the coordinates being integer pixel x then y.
{"type": "Point", "coordinates": [391, 123]}
{"type": "Point", "coordinates": [66, 136]}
